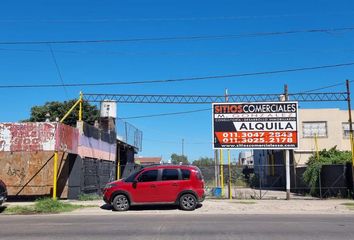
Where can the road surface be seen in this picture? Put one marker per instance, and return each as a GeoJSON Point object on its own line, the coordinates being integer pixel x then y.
{"type": "Point", "coordinates": [144, 226]}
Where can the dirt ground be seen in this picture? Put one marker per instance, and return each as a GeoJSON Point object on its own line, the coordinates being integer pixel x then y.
{"type": "Point", "coordinates": [277, 206]}
{"type": "Point", "coordinates": [217, 206]}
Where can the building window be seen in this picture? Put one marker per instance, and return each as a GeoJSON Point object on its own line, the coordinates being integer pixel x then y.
{"type": "Point", "coordinates": [346, 130]}
{"type": "Point", "coordinates": [312, 129]}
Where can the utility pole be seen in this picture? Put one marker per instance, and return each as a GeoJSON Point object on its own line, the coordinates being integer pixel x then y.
{"type": "Point", "coordinates": [287, 154]}
{"type": "Point", "coordinates": [182, 146]}
{"type": "Point", "coordinates": [350, 131]}
{"type": "Point", "coordinates": [228, 154]}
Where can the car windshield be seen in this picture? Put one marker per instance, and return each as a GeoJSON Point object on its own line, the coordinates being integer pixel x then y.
{"type": "Point", "coordinates": [132, 176]}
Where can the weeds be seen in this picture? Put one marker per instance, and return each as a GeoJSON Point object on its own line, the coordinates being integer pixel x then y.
{"type": "Point", "coordinates": [89, 197]}
{"type": "Point", "coordinates": [44, 205]}
{"type": "Point", "coordinates": [349, 205]}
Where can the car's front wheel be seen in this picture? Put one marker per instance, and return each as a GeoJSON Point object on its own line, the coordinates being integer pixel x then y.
{"type": "Point", "coordinates": [188, 202]}
{"type": "Point", "coordinates": [120, 203]}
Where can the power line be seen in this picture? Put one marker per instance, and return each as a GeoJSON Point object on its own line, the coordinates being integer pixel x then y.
{"type": "Point", "coordinates": [175, 142]}
{"type": "Point", "coordinates": [176, 38]}
{"type": "Point", "coordinates": [156, 131]}
{"type": "Point", "coordinates": [183, 53]}
{"type": "Point", "coordinates": [58, 70]}
{"type": "Point", "coordinates": [180, 79]}
{"type": "Point", "coordinates": [167, 114]}
{"type": "Point", "coordinates": [325, 87]}
{"type": "Point", "coordinates": [103, 20]}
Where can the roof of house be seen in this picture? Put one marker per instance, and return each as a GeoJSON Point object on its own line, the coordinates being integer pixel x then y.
{"type": "Point", "coordinates": [142, 160]}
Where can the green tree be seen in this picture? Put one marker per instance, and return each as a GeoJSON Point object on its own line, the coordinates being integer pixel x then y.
{"type": "Point", "coordinates": [177, 159]}
{"type": "Point", "coordinates": [59, 109]}
{"type": "Point", "coordinates": [326, 157]}
{"type": "Point", "coordinates": [204, 161]}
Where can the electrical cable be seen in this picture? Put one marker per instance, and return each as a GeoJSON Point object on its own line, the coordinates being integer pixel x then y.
{"type": "Point", "coordinates": [324, 87]}
{"type": "Point", "coordinates": [58, 70]}
{"type": "Point", "coordinates": [185, 53]}
{"type": "Point", "coordinates": [176, 38]}
{"type": "Point", "coordinates": [180, 79]}
{"type": "Point", "coordinates": [102, 20]}
{"type": "Point", "coordinates": [167, 114]}
{"type": "Point", "coordinates": [175, 142]}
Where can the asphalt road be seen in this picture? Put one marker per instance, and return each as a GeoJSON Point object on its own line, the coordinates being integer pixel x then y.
{"type": "Point", "coordinates": [180, 226]}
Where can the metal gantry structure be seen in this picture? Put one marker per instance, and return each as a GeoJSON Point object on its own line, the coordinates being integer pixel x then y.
{"type": "Point", "coordinates": [208, 99]}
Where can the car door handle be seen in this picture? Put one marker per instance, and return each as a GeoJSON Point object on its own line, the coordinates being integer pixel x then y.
{"type": "Point", "coordinates": [153, 186]}
{"type": "Point", "coordinates": [175, 184]}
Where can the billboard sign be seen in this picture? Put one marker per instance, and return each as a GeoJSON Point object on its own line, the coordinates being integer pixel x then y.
{"type": "Point", "coordinates": [258, 125]}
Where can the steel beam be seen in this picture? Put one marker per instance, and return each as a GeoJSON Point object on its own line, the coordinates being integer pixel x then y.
{"type": "Point", "coordinates": [207, 99]}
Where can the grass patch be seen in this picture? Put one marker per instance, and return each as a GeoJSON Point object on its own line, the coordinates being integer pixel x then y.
{"type": "Point", "coordinates": [45, 205]}
{"type": "Point", "coordinates": [245, 202]}
{"type": "Point", "coordinates": [20, 210]}
{"type": "Point", "coordinates": [349, 205]}
{"type": "Point", "coordinates": [89, 197]}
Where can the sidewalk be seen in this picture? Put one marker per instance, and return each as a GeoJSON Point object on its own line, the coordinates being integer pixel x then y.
{"type": "Point", "coordinates": [222, 206]}
{"type": "Point", "coordinates": [296, 206]}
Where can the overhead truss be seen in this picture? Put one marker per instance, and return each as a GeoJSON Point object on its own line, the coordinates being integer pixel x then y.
{"type": "Point", "coordinates": [200, 99]}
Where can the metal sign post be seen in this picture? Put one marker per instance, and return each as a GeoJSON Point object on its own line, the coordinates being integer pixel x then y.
{"type": "Point", "coordinates": [222, 172]}
{"type": "Point", "coordinates": [287, 173]}
{"type": "Point", "coordinates": [287, 155]}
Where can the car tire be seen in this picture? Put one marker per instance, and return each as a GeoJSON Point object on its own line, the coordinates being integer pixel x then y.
{"type": "Point", "coordinates": [120, 203]}
{"type": "Point", "coordinates": [188, 202]}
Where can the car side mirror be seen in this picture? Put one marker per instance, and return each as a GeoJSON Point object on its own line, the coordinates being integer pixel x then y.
{"type": "Point", "coordinates": [135, 182]}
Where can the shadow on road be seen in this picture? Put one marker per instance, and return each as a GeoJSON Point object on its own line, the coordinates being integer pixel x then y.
{"type": "Point", "coordinates": [146, 207]}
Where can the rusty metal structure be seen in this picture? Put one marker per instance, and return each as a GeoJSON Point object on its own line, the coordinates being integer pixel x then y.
{"type": "Point", "coordinates": [27, 153]}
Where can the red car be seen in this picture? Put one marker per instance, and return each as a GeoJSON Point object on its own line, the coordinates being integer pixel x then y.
{"type": "Point", "coordinates": [162, 184]}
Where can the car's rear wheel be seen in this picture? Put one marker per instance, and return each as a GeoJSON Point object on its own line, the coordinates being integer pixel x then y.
{"type": "Point", "coordinates": [188, 202]}
{"type": "Point", "coordinates": [120, 203]}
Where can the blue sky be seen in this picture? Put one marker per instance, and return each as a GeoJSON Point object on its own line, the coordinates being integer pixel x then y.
{"type": "Point", "coordinates": [84, 63]}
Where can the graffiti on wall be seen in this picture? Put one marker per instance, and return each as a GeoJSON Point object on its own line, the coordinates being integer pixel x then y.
{"type": "Point", "coordinates": [20, 173]}
{"type": "Point", "coordinates": [15, 137]}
